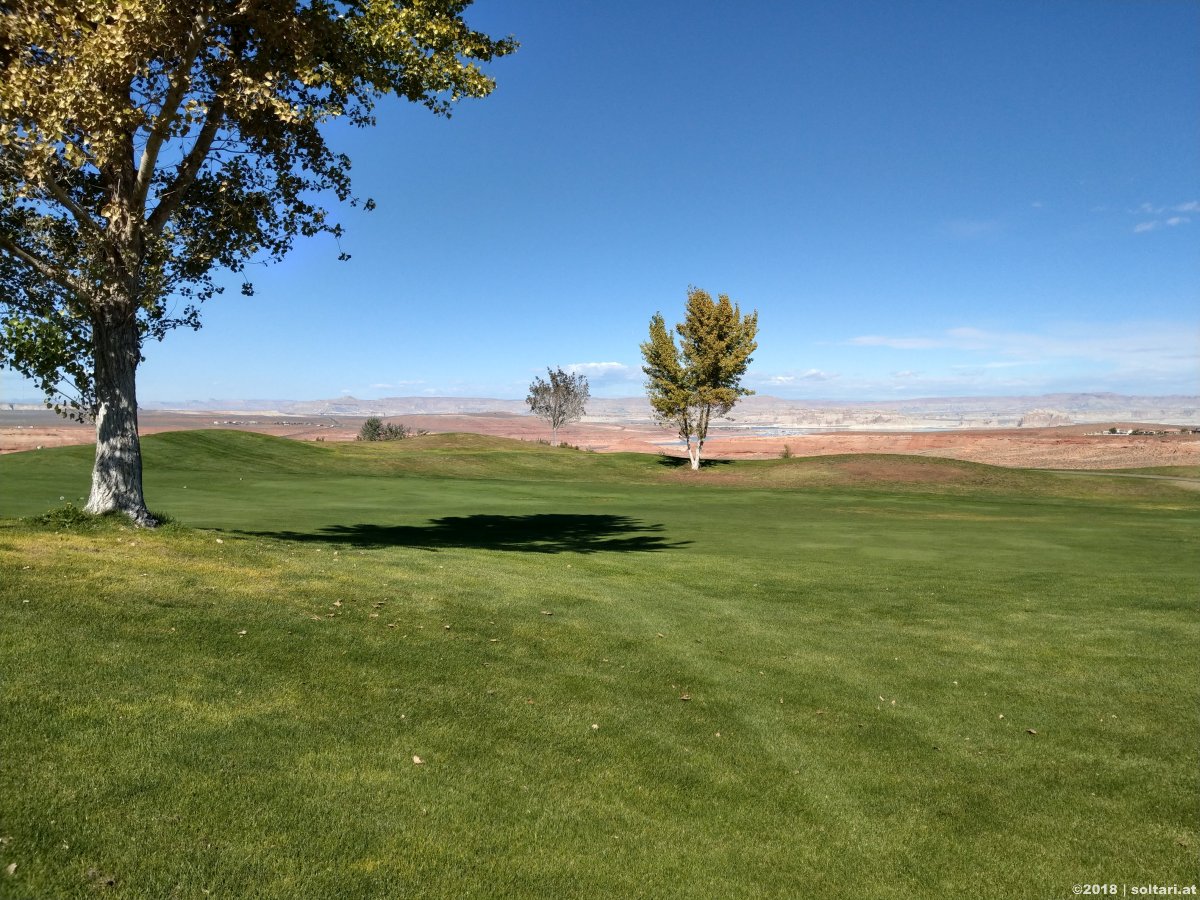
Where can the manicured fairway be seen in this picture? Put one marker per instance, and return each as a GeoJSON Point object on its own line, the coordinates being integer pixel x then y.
{"type": "Point", "coordinates": [859, 676]}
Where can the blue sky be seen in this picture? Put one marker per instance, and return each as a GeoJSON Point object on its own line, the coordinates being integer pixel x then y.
{"type": "Point", "coordinates": [919, 198]}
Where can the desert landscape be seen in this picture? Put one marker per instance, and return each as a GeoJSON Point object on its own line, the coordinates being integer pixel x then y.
{"type": "Point", "coordinates": [1075, 446]}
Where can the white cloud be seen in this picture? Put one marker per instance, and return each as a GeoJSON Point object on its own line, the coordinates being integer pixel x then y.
{"type": "Point", "coordinates": [611, 371]}
{"type": "Point", "coordinates": [792, 379]}
{"type": "Point", "coordinates": [397, 384]}
{"type": "Point", "coordinates": [1147, 209]}
{"type": "Point", "coordinates": [1008, 364]}
{"type": "Point", "coordinates": [1133, 350]}
{"type": "Point", "coordinates": [897, 343]}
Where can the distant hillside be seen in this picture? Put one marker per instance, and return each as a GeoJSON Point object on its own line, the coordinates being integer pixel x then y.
{"type": "Point", "coordinates": [929, 412]}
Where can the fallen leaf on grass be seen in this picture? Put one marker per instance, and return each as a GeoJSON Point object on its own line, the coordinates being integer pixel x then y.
{"type": "Point", "coordinates": [1031, 731]}
{"type": "Point", "coordinates": [10, 869]}
{"type": "Point", "coordinates": [242, 632]}
{"type": "Point", "coordinates": [97, 877]}
{"type": "Point", "coordinates": [417, 761]}
{"type": "Point", "coordinates": [685, 696]}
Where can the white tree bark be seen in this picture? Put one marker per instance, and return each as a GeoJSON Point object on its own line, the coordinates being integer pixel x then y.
{"type": "Point", "coordinates": [117, 474]}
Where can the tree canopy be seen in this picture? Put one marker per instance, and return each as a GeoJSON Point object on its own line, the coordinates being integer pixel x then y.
{"type": "Point", "coordinates": [700, 378]}
{"type": "Point", "coordinates": [560, 400]}
{"type": "Point", "coordinates": [147, 144]}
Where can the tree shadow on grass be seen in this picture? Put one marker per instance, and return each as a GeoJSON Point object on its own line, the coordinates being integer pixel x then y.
{"type": "Point", "coordinates": [539, 533]}
{"type": "Point", "coordinates": [680, 462]}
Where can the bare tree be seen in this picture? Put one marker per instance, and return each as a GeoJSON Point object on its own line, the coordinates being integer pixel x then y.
{"type": "Point", "coordinates": [560, 400]}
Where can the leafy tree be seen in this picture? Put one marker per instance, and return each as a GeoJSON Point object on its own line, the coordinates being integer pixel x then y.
{"type": "Point", "coordinates": [372, 430]}
{"type": "Point", "coordinates": [701, 378]}
{"type": "Point", "coordinates": [147, 144]}
{"type": "Point", "coordinates": [559, 401]}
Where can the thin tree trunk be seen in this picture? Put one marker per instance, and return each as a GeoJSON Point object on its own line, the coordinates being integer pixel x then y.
{"type": "Point", "coordinates": [117, 473]}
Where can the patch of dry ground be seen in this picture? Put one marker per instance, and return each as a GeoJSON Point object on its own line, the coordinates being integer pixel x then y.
{"type": "Point", "coordinates": [1066, 447]}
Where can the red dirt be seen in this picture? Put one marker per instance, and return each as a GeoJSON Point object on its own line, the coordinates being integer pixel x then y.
{"type": "Point", "coordinates": [1067, 447]}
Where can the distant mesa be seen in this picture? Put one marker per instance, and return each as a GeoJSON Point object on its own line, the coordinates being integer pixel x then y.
{"type": "Point", "coordinates": [1044, 418]}
{"type": "Point", "coordinates": [761, 411]}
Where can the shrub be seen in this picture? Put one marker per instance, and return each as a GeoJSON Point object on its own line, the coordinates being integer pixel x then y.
{"type": "Point", "coordinates": [786, 453]}
{"type": "Point", "coordinates": [375, 429]}
{"type": "Point", "coordinates": [66, 516]}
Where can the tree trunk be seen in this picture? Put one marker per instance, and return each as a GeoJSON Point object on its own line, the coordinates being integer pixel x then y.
{"type": "Point", "coordinates": [117, 473]}
{"type": "Point", "coordinates": [693, 452]}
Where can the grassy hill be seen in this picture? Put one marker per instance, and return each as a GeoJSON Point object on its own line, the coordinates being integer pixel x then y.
{"type": "Point", "coordinates": [872, 676]}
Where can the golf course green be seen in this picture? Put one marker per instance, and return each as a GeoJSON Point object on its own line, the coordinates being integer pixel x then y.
{"type": "Point", "coordinates": [458, 666]}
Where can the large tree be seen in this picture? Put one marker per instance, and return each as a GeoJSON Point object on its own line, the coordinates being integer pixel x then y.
{"type": "Point", "coordinates": [560, 400]}
{"type": "Point", "coordinates": [147, 144]}
{"type": "Point", "coordinates": [700, 378]}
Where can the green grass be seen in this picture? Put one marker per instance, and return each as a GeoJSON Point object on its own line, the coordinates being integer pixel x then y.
{"type": "Point", "coordinates": [866, 643]}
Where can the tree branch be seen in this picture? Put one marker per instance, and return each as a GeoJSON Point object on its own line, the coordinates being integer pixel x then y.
{"type": "Point", "coordinates": [168, 113]}
{"type": "Point", "coordinates": [188, 169]}
{"type": "Point", "coordinates": [46, 269]}
{"type": "Point", "coordinates": [81, 215]}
